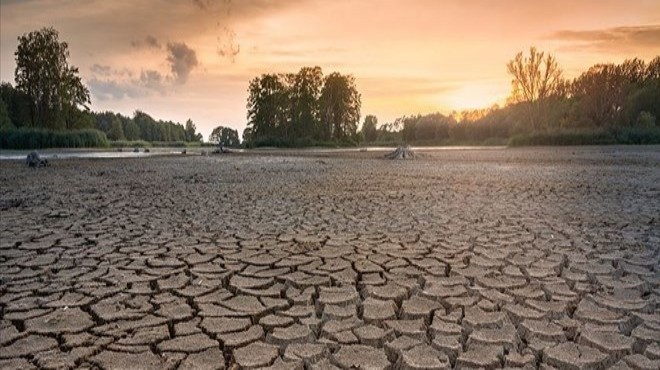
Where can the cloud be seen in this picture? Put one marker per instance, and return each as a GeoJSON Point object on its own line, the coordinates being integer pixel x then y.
{"type": "Point", "coordinates": [182, 60]}
{"type": "Point", "coordinates": [615, 40]}
{"type": "Point", "coordinates": [149, 41]}
{"type": "Point", "coordinates": [227, 46]}
{"type": "Point", "coordinates": [102, 70]}
{"type": "Point", "coordinates": [112, 89]}
{"type": "Point", "coordinates": [153, 80]}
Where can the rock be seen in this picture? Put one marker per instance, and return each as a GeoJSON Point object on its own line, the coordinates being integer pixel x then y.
{"type": "Point", "coordinates": [34, 160]}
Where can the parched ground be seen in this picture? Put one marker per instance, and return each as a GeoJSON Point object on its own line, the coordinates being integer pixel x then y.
{"type": "Point", "coordinates": [536, 258]}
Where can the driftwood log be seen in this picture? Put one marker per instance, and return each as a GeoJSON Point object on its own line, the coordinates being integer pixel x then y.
{"type": "Point", "coordinates": [401, 152]}
{"type": "Point", "coordinates": [34, 160]}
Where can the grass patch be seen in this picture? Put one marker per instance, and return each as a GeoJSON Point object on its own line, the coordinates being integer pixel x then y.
{"type": "Point", "coordinates": [32, 138]}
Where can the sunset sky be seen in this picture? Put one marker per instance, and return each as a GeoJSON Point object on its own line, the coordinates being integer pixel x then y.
{"type": "Point", "coordinates": [194, 58]}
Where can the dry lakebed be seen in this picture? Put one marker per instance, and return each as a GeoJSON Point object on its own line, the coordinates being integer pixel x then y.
{"type": "Point", "coordinates": [541, 258]}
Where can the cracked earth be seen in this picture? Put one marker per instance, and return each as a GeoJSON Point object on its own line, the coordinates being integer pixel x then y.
{"type": "Point", "coordinates": [532, 258]}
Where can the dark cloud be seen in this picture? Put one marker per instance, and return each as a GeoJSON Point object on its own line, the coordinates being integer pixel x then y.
{"type": "Point", "coordinates": [149, 41]}
{"type": "Point", "coordinates": [182, 60]}
{"type": "Point", "coordinates": [107, 89]}
{"type": "Point", "coordinates": [227, 45]}
{"type": "Point", "coordinates": [152, 80]}
{"type": "Point", "coordinates": [613, 39]}
{"type": "Point", "coordinates": [101, 70]}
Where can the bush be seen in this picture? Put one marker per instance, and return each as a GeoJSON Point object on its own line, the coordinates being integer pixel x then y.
{"type": "Point", "coordinates": [31, 138]}
{"type": "Point", "coordinates": [628, 135]}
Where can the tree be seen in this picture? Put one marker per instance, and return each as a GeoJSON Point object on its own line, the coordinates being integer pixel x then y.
{"type": "Point", "coordinates": [224, 136]}
{"type": "Point", "coordinates": [340, 107]}
{"type": "Point", "coordinates": [116, 131]}
{"type": "Point", "coordinates": [191, 131]}
{"type": "Point", "coordinates": [268, 106]}
{"type": "Point", "coordinates": [304, 92]}
{"type": "Point", "coordinates": [247, 136]}
{"type": "Point", "coordinates": [18, 105]}
{"type": "Point", "coordinates": [600, 93]}
{"type": "Point", "coordinates": [535, 79]}
{"type": "Point", "coordinates": [5, 121]}
{"type": "Point", "coordinates": [369, 129]}
{"type": "Point", "coordinates": [43, 73]}
{"type": "Point", "coordinates": [130, 129]}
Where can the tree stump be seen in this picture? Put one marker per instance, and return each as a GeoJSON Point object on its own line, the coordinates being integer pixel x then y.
{"type": "Point", "coordinates": [401, 152]}
{"type": "Point", "coordinates": [34, 160]}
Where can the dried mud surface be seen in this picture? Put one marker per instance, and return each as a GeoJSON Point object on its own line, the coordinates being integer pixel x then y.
{"type": "Point", "coordinates": [534, 258]}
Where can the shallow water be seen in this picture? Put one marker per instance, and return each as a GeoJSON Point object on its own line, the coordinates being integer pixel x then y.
{"type": "Point", "coordinates": [128, 153]}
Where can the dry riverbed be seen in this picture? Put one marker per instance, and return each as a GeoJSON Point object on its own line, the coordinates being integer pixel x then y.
{"type": "Point", "coordinates": [537, 258]}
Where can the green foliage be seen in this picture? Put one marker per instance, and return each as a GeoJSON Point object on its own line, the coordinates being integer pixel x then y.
{"type": "Point", "coordinates": [224, 136]}
{"type": "Point", "coordinates": [143, 127]}
{"type": "Point", "coordinates": [116, 131]}
{"type": "Point", "coordinates": [53, 88]}
{"type": "Point", "coordinates": [626, 135]}
{"type": "Point", "coordinates": [5, 121]}
{"type": "Point", "coordinates": [32, 138]}
{"type": "Point", "coordinates": [285, 108]}
{"type": "Point", "coordinates": [369, 129]}
{"type": "Point", "coordinates": [18, 105]}
{"type": "Point", "coordinates": [340, 107]}
{"type": "Point", "coordinates": [191, 132]}
{"type": "Point", "coordinates": [645, 119]}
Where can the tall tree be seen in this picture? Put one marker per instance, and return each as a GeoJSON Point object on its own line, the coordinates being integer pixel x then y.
{"type": "Point", "coordinates": [340, 106]}
{"type": "Point", "coordinates": [191, 131]}
{"type": "Point", "coordinates": [305, 89]}
{"type": "Point", "coordinates": [535, 79]}
{"type": "Point", "coordinates": [43, 73]}
{"type": "Point", "coordinates": [600, 93]}
{"type": "Point", "coordinates": [369, 129]}
{"type": "Point", "coordinates": [268, 106]}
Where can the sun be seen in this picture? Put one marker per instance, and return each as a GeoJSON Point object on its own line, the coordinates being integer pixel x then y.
{"type": "Point", "coordinates": [475, 97]}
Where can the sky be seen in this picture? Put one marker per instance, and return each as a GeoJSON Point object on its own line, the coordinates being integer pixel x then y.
{"type": "Point", "coordinates": [180, 59]}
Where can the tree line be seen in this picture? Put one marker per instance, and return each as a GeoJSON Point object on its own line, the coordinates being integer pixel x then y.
{"type": "Point", "coordinates": [284, 108]}
{"type": "Point", "coordinates": [613, 102]}
{"type": "Point", "coordinates": [50, 99]}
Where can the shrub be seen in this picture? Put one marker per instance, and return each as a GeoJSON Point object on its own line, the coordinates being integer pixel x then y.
{"type": "Point", "coordinates": [31, 138]}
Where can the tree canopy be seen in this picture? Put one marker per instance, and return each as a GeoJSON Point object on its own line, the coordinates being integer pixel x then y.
{"type": "Point", "coordinates": [53, 88]}
{"type": "Point", "coordinates": [224, 136]}
{"type": "Point", "coordinates": [304, 105]}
